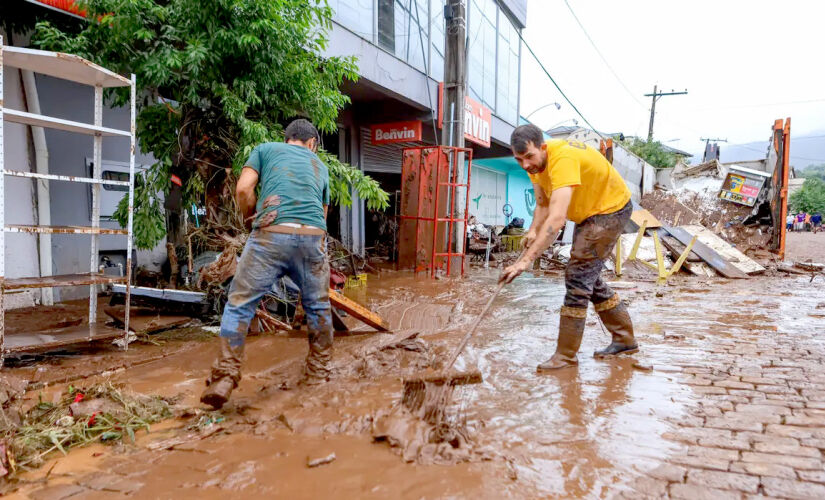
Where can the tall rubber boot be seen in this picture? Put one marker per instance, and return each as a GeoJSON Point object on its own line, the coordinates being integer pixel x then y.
{"type": "Point", "coordinates": [317, 368]}
{"type": "Point", "coordinates": [571, 328]}
{"type": "Point", "coordinates": [226, 373]}
{"type": "Point", "coordinates": [616, 319]}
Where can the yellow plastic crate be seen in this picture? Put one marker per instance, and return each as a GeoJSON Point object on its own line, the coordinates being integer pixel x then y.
{"type": "Point", "coordinates": [356, 281]}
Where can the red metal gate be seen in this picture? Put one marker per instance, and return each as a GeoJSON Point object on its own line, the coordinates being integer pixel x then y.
{"type": "Point", "coordinates": [429, 182]}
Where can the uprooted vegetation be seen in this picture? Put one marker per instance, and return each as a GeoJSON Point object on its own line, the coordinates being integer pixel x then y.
{"type": "Point", "coordinates": [103, 413]}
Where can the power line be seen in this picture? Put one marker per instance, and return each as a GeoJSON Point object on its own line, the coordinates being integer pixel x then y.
{"type": "Point", "coordinates": [764, 150]}
{"type": "Point", "coordinates": [604, 60]}
{"type": "Point", "coordinates": [532, 53]}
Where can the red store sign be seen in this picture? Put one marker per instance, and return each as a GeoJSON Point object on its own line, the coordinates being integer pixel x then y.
{"type": "Point", "coordinates": [387, 133]}
{"type": "Point", "coordinates": [478, 120]}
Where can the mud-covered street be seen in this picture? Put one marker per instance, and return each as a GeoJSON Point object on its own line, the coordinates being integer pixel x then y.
{"type": "Point", "coordinates": [726, 399]}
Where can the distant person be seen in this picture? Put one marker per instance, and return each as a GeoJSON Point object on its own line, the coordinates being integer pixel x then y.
{"type": "Point", "coordinates": [789, 220]}
{"type": "Point", "coordinates": [816, 222]}
{"type": "Point", "coordinates": [800, 220]}
{"type": "Point", "coordinates": [807, 222]}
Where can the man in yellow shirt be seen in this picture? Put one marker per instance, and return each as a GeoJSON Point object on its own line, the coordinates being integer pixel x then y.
{"type": "Point", "coordinates": [574, 181]}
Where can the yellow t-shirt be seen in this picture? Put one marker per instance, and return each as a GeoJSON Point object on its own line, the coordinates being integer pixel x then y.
{"type": "Point", "coordinates": [599, 187]}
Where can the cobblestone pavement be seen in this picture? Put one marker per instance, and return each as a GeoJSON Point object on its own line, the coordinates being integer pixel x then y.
{"type": "Point", "coordinates": [756, 419]}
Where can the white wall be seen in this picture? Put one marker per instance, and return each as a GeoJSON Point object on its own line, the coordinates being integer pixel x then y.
{"type": "Point", "coordinates": [20, 249]}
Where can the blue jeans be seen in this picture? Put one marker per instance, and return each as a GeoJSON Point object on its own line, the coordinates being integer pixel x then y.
{"type": "Point", "coordinates": [267, 257]}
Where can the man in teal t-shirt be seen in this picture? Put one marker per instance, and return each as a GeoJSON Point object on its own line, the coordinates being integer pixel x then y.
{"type": "Point", "coordinates": [288, 238]}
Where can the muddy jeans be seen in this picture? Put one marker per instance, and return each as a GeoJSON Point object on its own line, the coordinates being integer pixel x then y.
{"type": "Point", "coordinates": [266, 258]}
{"type": "Point", "coordinates": [593, 242]}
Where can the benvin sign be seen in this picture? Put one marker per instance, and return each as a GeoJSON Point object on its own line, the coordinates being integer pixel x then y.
{"type": "Point", "coordinates": [386, 133]}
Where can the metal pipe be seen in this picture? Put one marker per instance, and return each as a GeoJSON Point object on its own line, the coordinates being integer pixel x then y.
{"type": "Point", "coordinates": [41, 160]}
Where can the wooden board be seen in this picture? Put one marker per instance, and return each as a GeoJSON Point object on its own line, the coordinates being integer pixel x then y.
{"type": "Point", "coordinates": [706, 253]}
{"type": "Point", "coordinates": [640, 215]}
{"type": "Point", "coordinates": [145, 320]}
{"type": "Point", "coordinates": [723, 248]}
{"type": "Point", "coordinates": [59, 338]}
{"type": "Point", "coordinates": [62, 280]}
{"type": "Point", "coordinates": [358, 311]}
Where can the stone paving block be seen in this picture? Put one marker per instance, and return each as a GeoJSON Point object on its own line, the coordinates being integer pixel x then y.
{"type": "Point", "coordinates": [734, 424]}
{"type": "Point", "coordinates": [784, 449]}
{"type": "Point", "coordinates": [813, 443]}
{"type": "Point", "coordinates": [818, 405]}
{"type": "Point", "coordinates": [711, 389]}
{"type": "Point", "coordinates": [669, 472]}
{"type": "Point", "coordinates": [789, 460]}
{"type": "Point", "coordinates": [763, 469]}
{"type": "Point", "coordinates": [759, 380]}
{"type": "Point", "coordinates": [698, 381]}
{"type": "Point", "coordinates": [786, 488]}
{"type": "Point", "coordinates": [756, 437]}
{"type": "Point", "coordinates": [701, 462]}
{"type": "Point", "coordinates": [693, 434]}
{"type": "Point", "coordinates": [815, 476]}
{"type": "Point", "coordinates": [776, 389]}
{"type": "Point", "coordinates": [761, 417]}
{"type": "Point", "coordinates": [724, 480]}
{"type": "Point", "coordinates": [748, 393]}
{"type": "Point", "coordinates": [696, 492]}
{"type": "Point", "coordinates": [813, 395]}
{"type": "Point", "coordinates": [650, 486]}
{"type": "Point", "coordinates": [719, 453]}
{"type": "Point", "coordinates": [789, 430]}
{"type": "Point", "coordinates": [734, 384]}
{"type": "Point", "coordinates": [763, 409]}
{"type": "Point", "coordinates": [781, 402]}
{"type": "Point", "coordinates": [818, 421]}
{"type": "Point", "coordinates": [730, 443]}
{"type": "Point", "coordinates": [787, 397]}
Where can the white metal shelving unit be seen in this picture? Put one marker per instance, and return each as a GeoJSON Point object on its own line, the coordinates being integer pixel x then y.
{"type": "Point", "coordinates": [76, 69]}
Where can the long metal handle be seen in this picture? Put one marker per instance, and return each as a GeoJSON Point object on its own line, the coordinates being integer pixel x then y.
{"type": "Point", "coordinates": [469, 334]}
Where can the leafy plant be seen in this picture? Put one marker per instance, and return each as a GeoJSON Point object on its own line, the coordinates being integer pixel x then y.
{"type": "Point", "coordinates": [816, 171]}
{"type": "Point", "coordinates": [652, 152]}
{"type": "Point", "coordinates": [810, 198]}
{"type": "Point", "coordinates": [215, 78]}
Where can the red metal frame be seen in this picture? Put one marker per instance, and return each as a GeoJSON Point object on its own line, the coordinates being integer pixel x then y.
{"type": "Point", "coordinates": [446, 156]}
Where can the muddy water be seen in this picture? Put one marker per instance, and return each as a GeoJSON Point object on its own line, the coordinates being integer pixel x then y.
{"type": "Point", "coordinates": [582, 432]}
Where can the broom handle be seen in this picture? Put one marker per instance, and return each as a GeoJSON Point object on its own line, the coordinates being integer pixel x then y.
{"type": "Point", "coordinates": [466, 338]}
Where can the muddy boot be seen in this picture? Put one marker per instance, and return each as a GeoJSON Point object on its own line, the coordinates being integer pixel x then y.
{"type": "Point", "coordinates": [226, 373]}
{"type": "Point", "coordinates": [616, 319]}
{"type": "Point", "coordinates": [318, 365]}
{"type": "Point", "coordinates": [571, 328]}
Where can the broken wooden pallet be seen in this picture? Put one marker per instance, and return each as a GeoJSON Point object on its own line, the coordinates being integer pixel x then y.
{"type": "Point", "coordinates": [358, 311]}
{"type": "Point", "coordinates": [706, 253]}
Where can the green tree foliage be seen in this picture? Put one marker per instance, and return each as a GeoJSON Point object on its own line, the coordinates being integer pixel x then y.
{"type": "Point", "coordinates": [215, 78]}
{"type": "Point", "coordinates": [811, 198]}
{"type": "Point", "coordinates": [652, 152]}
{"type": "Point", "coordinates": [813, 171]}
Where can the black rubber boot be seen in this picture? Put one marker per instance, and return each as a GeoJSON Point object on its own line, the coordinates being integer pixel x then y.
{"type": "Point", "coordinates": [617, 321]}
{"type": "Point", "coordinates": [226, 373]}
{"type": "Point", "coordinates": [570, 339]}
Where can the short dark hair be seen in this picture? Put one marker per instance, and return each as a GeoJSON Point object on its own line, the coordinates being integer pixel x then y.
{"type": "Point", "coordinates": [524, 134]}
{"type": "Point", "coordinates": [302, 130]}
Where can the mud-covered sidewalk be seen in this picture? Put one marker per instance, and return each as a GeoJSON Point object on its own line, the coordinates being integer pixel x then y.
{"type": "Point", "coordinates": [725, 400]}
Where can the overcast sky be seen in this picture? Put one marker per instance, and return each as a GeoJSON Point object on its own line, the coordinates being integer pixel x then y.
{"type": "Point", "coordinates": [744, 64]}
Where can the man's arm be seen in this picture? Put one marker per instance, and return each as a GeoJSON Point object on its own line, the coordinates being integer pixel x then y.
{"type": "Point", "coordinates": [539, 215]}
{"type": "Point", "coordinates": [245, 194]}
{"type": "Point", "coordinates": [557, 215]}
{"type": "Point", "coordinates": [326, 210]}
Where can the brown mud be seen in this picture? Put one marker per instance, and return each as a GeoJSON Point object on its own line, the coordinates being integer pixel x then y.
{"type": "Point", "coordinates": [586, 432]}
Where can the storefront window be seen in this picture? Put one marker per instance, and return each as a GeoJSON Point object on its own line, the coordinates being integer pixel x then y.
{"type": "Point", "coordinates": [437, 37]}
{"type": "Point", "coordinates": [481, 71]}
{"type": "Point", "coordinates": [402, 29]}
{"type": "Point", "coordinates": [355, 15]}
{"type": "Point", "coordinates": [508, 70]}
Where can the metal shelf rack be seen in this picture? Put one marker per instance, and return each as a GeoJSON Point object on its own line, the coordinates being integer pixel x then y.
{"type": "Point", "coordinates": [79, 70]}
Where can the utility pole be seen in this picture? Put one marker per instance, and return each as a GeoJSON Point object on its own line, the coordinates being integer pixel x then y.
{"type": "Point", "coordinates": [455, 82]}
{"type": "Point", "coordinates": [455, 71]}
{"type": "Point", "coordinates": [707, 143]}
{"type": "Point", "coordinates": [656, 95]}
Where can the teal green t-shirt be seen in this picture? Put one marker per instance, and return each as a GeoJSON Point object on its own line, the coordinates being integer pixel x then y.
{"type": "Point", "coordinates": [294, 185]}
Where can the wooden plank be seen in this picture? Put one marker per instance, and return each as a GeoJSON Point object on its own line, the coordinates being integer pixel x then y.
{"type": "Point", "coordinates": [358, 311]}
{"type": "Point", "coordinates": [734, 256]}
{"type": "Point", "coordinates": [59, 338]}
{"type": "Point", "coordinates": [676, 248]}
{"type": "Point", "coordinates": [706, 253]}
{"type": "Point", "coordinates": [62, 280]}
{"type": "Point", "coordinates": [145, 320]}
{"type": "Point", "coordinates": [641, 215]}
